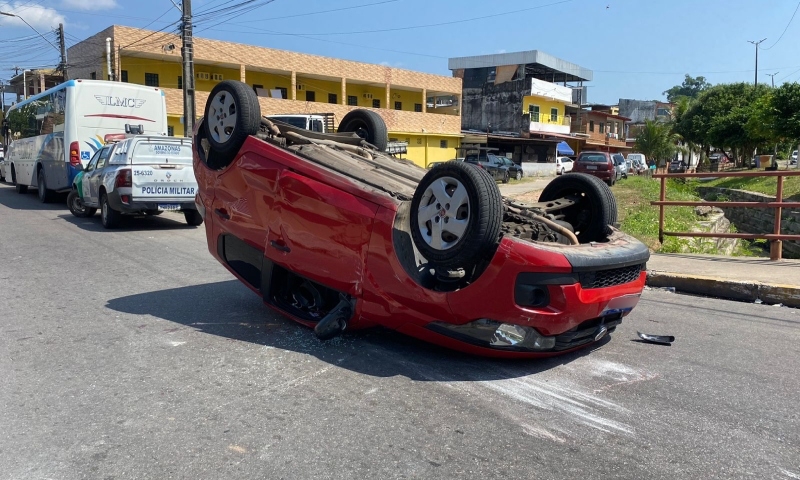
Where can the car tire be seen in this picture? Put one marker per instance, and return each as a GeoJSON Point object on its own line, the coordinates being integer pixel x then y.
{"type": "Point", "coordinates": [232, 114]}
{"type": "Point", "coordinates": [562, 172]}
{"type": "Point", "coordinates": [19, 188]}
{"type": "Point", "coordinates": [45, 195]}
{"type": "Point", "coordinates": [595, 210]}
{"type": "Point", "coordinates": [77, 207]}
{"type": "Point", "coordinates": [367, 125]}
{"type": "Point", "coordinates": [109, 217]}
{"type": "Point", "coordinates": [518, 176]}
{"type": "Point", "coordinates": [506, 177]}
{"type": "Point", "coordinates": [476, 220]}
{"type": "Point", "coordinates": [193, 218]}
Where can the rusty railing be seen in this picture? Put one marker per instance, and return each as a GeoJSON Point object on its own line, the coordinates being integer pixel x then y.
{"type": "Point", "coordinates": [776, 238]}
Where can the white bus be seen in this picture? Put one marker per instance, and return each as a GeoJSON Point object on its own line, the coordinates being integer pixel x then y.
{"type": "Point", "coordinates": [50, 137]}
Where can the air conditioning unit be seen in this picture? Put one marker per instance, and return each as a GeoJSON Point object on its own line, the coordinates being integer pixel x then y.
{"type": "Point", "coordinates": [368, 96]}
{"type": "Point", "coordinates": [217, 77]}
{"type": "Point", "coordinates": [203, 75]}
{"type": "Point", "coordinates": [300, 86]}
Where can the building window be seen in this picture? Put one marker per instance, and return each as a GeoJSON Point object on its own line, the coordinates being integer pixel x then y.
{"type": "Point", "coordinates": [352, 100]}
{"type": "Point", "coordinates": [332, 98]}
{"type": "Point", "coordinates": [376, 103]}
{"type": "Point", "coordinates": [554, 115]}
{"type": "Point", "coordinates": [284, 92]}
{"type": "Point", "coordinates": [93, 75]}
{"type": "Point", "coordinates": [533, 110]}
{"type": "Point", "coordinates": [180, 81]}
{"type": "Point", "coordinates": [418, 107]}
{"type": "Point", "coordinates": [311, 96]}
{"type": "Point", "coordinates": [124, 75]}
{"type": "Point", "coordinates": [398, 105]}
{"type": "Point", "coordinates": [602, 127]}
{"type": "Point", "coordinates": [591, 125]}
{"type": "Point", "coordinates": [442, 143]}
{"type": "Point", "coordinates": [171, 131]}
{"type": "Point", "coordinates": [151, 79]}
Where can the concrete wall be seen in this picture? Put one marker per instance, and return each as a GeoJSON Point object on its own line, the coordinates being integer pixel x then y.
{"type": "Point", "coordinates": [758, 220]}
{"type": "Point", "coordinates": [498, 105]}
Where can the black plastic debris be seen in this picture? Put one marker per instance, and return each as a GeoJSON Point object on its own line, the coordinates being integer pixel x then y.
{"type": "Point", "coordinates": [659, 339]}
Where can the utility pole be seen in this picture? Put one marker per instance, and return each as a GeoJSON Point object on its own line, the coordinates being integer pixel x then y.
{"type": "Point", "coordinates": [756, 44]}
{"type": "Point", "coordinates": [63, 47]}
{"type": "Point", "coordinates": [772, 77]}
{"type": "Point", "coordinates": [187, 53]}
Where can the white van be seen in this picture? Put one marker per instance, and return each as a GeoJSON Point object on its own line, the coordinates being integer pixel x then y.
{"type": "Point", "coordinates": [637, 161]}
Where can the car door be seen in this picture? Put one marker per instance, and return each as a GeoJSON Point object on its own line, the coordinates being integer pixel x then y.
{"type": "Point", "coordinates": [96, 176]}
{"type": "Point", "coordinates": [84, 182]}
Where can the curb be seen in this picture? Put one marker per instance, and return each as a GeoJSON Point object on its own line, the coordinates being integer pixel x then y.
{"type": "Point", "coordinates": [788, 295]}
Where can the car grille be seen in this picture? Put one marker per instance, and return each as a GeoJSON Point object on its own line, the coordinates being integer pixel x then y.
{"type": "Point", "coordinates": [612, 277]}
{"type": "Point", "coordinates": [586, 332]}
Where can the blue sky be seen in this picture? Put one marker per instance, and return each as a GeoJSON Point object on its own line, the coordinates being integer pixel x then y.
{"type": "Point", "coordinates": [636, 48]}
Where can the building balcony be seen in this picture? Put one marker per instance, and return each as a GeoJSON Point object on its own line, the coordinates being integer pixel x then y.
{"type": "Point", "coordinates": [550, 124]}
{"type": "Point", "coordinates": [611, 139]}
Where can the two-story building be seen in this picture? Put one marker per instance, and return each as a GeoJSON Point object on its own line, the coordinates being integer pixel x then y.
{"type": "Point", "coordinates": [285, 82]}
{"type": "Point", "coordinates": [519, 101]}
{"type": "Point", "coordinates": [599, 130]}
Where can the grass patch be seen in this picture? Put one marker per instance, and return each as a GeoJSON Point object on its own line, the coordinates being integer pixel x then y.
{"type": "Point", "coordinates": [765, 185]}
{"type": "Point", "coordinates": [640, 219]}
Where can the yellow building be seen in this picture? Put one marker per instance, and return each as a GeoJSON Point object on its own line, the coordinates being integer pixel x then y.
{"type": "Point", "coordinates": [286, 82]}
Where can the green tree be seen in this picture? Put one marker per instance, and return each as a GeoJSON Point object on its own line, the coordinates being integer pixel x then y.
{"type": "Point", "coordinates": [657, 141]}
{"type": "Point", "coordinates": [785, 110]}
{"type": "Point", "coordinates": [691, 87]}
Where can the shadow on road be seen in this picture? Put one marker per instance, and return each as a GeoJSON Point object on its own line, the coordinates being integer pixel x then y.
{"type": "Point", "coordinates": [28, 201]}
{"type": "Point", "coordinates": [166, 221]}
{"type": "Point", "coordinates": [228, 309]}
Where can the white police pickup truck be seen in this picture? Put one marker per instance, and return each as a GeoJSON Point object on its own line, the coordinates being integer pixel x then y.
{"type": "Point", "coordinates": [134, 175]}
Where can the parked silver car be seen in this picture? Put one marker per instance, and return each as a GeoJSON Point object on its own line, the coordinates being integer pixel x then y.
{"type": "Point", "coordinates": [620, 165]}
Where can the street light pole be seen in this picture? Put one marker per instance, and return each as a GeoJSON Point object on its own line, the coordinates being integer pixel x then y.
{"type": "Point", "coordinates": [28, 24]}
{"type": "Point", "coordinates": [772, 77]}
{"type": "Point", "coordinates": [756, 44]}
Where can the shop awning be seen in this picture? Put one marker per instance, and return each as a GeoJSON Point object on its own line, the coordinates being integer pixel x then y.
{"type": "Point", "coordinates": [564, 149]}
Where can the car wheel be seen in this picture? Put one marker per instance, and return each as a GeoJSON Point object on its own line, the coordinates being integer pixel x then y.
{"type": "Point", "coordinates": [562, 171]}
{"type": "Point", "coordinates": [232, 114]}
{"type": "Point", "coordinates": [519, 175]}
{"type": "Point", "coordinates": [456, 213]}
{"type": "Point", "coordinates": [367, 125]}
{"type": "Point", "coordinates": [77, 207]}
{"type": "Point", "coordinates": [193, 217]}
{"type": "Point", "coordinates": [45, 195]}
{"type": "Point", "coordinates": [19, 188]}
{"type": "Point", "coordinates": [596, 207]}
{"type": "Point", "coordinates": [506, 177]}
{"type": "Point", "coordinates": [108, 216]}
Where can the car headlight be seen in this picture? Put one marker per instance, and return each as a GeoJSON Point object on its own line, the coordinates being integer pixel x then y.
{"type": "Point", "coordinates": [491, 333]}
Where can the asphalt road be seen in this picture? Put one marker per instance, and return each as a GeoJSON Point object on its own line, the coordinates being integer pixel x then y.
{"type": "Point", "coordinates": [133, 354]}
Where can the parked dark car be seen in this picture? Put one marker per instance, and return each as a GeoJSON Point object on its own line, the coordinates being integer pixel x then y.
{"type": "Point", "coordinates": [336, 235]}
{"type": "Point", "coordinates": [677, 166]}
{"type": "Point", "coordinates": [489, 162]}
{"type": "Point", "coordinates": [514, 170]}
{"type": "Point", "coordinates": [599, 164]}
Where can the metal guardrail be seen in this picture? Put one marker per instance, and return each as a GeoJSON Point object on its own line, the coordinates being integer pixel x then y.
{"type": "Point", "coordinates": [776, 238]}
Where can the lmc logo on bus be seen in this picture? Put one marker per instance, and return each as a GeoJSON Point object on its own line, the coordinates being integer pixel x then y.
{"type": "Point", "coordinates": [109, 101]}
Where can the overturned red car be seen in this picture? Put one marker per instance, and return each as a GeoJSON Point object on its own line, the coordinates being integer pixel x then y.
{"type": "Point", "coordinates": [336, 234]}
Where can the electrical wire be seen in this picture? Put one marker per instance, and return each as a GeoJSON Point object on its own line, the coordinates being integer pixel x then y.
{"type": "Point", "coordinates": [785, 29]}
{"type": "Point", "coordinates": [306, 14]}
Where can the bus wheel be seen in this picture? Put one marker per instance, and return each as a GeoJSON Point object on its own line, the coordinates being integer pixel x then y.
{"type": "Point", "coordinates": [17, 186]}
{"type": "Point", "coordinates": [45, 195]}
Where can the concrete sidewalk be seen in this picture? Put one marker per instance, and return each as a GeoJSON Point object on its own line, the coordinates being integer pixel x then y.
{"type": "Point", "coordinates": [737, 278]}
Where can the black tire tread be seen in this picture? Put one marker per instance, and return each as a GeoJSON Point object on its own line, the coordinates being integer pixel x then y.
{"type": "Point", "coordinates": [113, 218]}
{"type": "Point", "coordinates": [487, 209]}
{"type": "Point", "coordinates": [193, 218]}
{"type": "Point", "coordinates": [603, 213]}
{"type": "Point", "coordinates": [248, 121]}
{"type": "Point", "coordinates": [376, 125]}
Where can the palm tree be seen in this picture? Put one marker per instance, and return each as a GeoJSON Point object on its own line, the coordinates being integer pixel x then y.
{"type": "Point", "coordinates": [656, 141]}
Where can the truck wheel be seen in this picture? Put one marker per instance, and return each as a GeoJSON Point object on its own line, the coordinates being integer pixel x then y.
{"type": "Point", "coordinates": [193, 217]}
{"type": "Point", "coordinates": [232, 114]}
{"type": "Point", "coordinates": [77, 207]}
{"type": "Point", "coordinates": [108, 216]}
{"type": "Point", "coordinates": [596, 207]}
{"type": "Point", "coordinates": [367, 125]}
{"type": "Point", "coordinates": [456, 213]}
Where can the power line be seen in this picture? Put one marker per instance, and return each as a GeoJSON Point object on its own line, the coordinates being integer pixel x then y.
{"type": "Point", "coordinates": [785, 29]}
{"type": "Point", "coordinates": [315, 13]}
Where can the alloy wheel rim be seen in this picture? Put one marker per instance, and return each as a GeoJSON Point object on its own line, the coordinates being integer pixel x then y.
{"type": "Point", "coordinates": [444, 213]}
{"type": "Point", "coordinates": [222, 116]}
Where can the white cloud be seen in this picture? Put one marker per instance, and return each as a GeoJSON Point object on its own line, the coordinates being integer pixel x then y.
{"type": "Point", "coordinates": [95, 5]}
{"type": "Point", "coordinates": [40, 18]}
